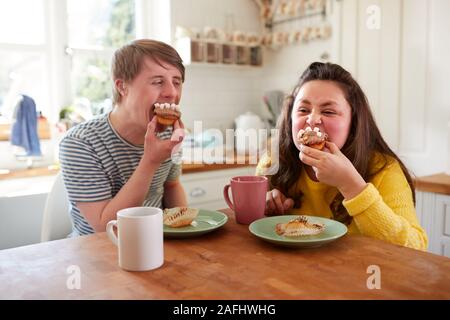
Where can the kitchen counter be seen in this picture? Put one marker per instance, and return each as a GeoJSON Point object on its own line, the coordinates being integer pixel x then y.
{"type": "Point", "coordinates": [194, 168]}
{"type": "Point", "coordinates": [186, 169]}
{"type": "Point", "coordinates": [436, 183]}
{"type": "Point", "coordinates": [29, 173]}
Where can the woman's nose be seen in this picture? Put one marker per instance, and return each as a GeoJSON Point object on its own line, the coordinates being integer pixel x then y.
{"type": "Point", "coordinates": [314, 119]}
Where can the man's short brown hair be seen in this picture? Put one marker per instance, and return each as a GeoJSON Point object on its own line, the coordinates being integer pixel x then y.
{"type": "Point", "coordinates": [127, 60]}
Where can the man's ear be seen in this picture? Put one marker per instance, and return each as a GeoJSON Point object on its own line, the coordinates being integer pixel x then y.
{"type": "Point", "coordinates": [121, 87]}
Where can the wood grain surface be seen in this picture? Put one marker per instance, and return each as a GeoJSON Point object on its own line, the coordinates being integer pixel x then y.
{"type": "Point", "coordinates": [438, 183]}
{"type": "Point", "coordinates": [229, 263]}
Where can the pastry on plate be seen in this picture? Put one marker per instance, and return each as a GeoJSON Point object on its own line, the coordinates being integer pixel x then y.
{"type": "Point", "coordinates": [313, 138]}
{"type": "Point", "coordinates": [167, 113]}
{"type": "Point", "coordinates": [299, 227]}
{"type": "Point", "coordinates": [179, 216]}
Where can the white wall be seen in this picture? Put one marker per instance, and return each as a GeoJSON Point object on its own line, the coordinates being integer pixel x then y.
{"type": "Point", "coordinates": [403, 68]}
{"type": "Point", "coordinates": [284, 66]}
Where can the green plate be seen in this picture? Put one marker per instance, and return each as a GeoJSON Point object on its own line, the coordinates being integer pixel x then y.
{"type": "Point", "coordinates": [265, 229]}
{"type": "Point", "coordinates": [199, 227]}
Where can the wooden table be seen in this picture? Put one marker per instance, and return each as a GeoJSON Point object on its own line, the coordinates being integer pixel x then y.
{"type": "Point", "coordinates": [228, 263]}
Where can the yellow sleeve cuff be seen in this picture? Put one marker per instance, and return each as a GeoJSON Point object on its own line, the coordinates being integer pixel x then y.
{"type": "Point", "coordinates": [362, 201]}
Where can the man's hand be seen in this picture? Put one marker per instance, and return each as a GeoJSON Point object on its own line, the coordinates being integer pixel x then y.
{"type": "Point", "coordinates": [157, 150]}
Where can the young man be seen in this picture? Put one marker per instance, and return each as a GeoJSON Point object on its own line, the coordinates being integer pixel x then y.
{"type": "Point", "coordinates": [124, 158]}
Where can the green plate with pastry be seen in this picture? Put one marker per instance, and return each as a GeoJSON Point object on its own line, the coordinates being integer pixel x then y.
{"type": "Point", "coordinates": [196, 222]}
{"type": "Point", "coordinates": [298, 231]}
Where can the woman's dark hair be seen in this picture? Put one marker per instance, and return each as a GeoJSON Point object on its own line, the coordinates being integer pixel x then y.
{"type": "Point", "coordinates": [364, 137]}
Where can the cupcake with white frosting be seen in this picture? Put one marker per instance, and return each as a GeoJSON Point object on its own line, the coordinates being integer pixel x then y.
{"type": "Point", "coordinates": [167, 113]}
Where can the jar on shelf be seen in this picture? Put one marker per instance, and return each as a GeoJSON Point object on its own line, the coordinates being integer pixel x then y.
{"type": "Point", "coordinates": [213, 52]}
{"type": "Point", "coordinates": [256, 56]}
{"type": "Point", "coordinates": [242, 55]}
{"type": "Point", "coordinates": [197, 51]}
{"type": "Point", "coordinates": [228, 53]}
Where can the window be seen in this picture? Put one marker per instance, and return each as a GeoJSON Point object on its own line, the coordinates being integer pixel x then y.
{"type": "Point", "coordinates": [28, 25]}
{"type": "Point", "coordinates": [22, 73]}
{"type": "Point", "coordinates": [23, 66]}
{"type": "Point", "coordinates": [59, 53]}
{"type": "Point", "coordinates": [95, 30]}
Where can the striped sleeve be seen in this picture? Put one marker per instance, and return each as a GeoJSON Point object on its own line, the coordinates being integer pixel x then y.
{"type": "Point", "coordinates": [175, 169]}
{"type": "Point", "coordinates": [83, 173]}
{"type": "Point", "coordinates": [175, 172]}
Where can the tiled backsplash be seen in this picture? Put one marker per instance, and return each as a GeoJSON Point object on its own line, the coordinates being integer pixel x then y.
{"type": "Point", "coordinates": [217, 95]}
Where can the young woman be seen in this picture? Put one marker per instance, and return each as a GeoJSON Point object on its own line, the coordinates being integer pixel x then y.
{"type": "Point", "coordinates": [356, 179]}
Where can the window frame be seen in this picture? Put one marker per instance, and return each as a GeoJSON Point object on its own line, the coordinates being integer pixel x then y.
{"type": "Point", "coordinates": [57, 53]}
{"type": "Point", "coordinates": [152, 19]}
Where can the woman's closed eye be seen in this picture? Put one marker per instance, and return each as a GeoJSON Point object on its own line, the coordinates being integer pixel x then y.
{"type": "Point", "coordinates": [303, 110]}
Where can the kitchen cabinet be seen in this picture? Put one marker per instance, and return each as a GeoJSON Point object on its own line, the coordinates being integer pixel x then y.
{"type": "Point", "coordinates": [205, 189]}
{"type": "Point", "coordinates": [433, 211]}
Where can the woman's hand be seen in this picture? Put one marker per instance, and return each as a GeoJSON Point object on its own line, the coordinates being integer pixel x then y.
{"type": "Point", "coordinates": [277, 203]}
{"type": "Point", "coordinates": [332, 167]}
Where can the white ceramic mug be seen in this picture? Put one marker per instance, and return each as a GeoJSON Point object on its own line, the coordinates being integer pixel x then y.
{"type": "Point", "coordinates": [140, 238]}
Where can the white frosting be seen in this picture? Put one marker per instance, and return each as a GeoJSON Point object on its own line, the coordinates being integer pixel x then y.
{"type": "Point", "coordinates": [172, 106]}
{"type": "Point", "coordinates": [307, 129]}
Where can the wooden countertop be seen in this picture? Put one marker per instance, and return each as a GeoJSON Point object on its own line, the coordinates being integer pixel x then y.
{"type": "Point", "coordinates": [29, 173]}
{"type": "Point", "coordinates": [194, 168]}
{"type": "Point", "coordinates": [438, 183]}
{"type": "Point", "coordinates": [229, 263]}
{"type": "Point", "coordinates": [53, 170]}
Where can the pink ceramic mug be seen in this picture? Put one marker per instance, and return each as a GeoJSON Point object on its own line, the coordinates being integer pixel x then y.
{"type": "Point", "coordinates": [249, 197]}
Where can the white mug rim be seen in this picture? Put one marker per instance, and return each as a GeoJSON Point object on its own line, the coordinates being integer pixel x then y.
{"type": "Point", "coordinates": [129, 212]}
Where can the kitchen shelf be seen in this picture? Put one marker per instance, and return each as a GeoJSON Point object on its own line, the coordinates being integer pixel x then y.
{"type": "Point", "coordinates": [273, 22]}
{"type": "Point", "coordinates": [215, 53]}
{"type": "Point", "coordinates": [221, 66]}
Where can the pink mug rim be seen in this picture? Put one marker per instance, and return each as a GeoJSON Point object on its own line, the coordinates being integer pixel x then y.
{"type": "Point", "coordinates": [260, 179]}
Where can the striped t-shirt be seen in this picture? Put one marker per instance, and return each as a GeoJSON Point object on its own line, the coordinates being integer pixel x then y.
{"type": "Point", "coordinates": [96, 162]}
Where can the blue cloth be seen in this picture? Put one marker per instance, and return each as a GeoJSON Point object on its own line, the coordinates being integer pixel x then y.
{"type": "Point", "coordinates": [24, 130]}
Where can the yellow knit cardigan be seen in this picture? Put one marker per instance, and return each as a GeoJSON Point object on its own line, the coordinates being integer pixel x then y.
{"type": "Point", "coordinates": [383, 210]}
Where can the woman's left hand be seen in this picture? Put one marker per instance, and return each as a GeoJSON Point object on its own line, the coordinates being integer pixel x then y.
{"type": "Point", "coordinates": [332, 167]}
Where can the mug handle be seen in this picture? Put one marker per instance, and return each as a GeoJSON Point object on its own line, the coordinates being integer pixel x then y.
{"type": "Point", "coordinates": [227, 197]}
{"type": "Point", "coordinates": [110, 231]}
